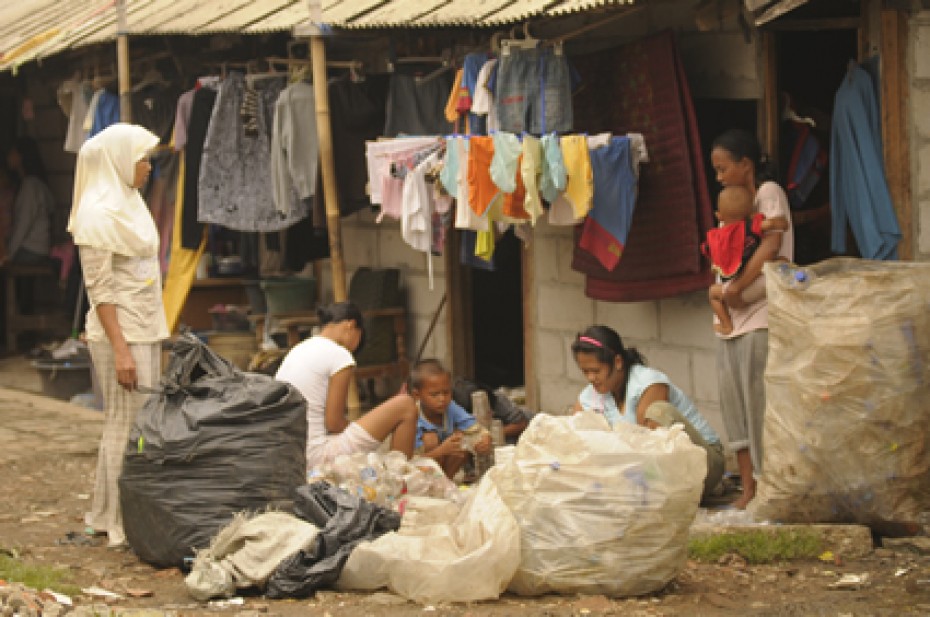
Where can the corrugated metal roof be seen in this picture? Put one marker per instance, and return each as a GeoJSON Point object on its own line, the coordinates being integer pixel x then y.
{"type": "Point", "coordinates": [33, 29]}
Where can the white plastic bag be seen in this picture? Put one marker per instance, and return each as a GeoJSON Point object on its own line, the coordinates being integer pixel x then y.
{"type": "Point", "coordinates": [471, 559]}
{"type": "Point", "coordinates": [601, 511]}
{"type": "Point", "coordinates": [846, 421]}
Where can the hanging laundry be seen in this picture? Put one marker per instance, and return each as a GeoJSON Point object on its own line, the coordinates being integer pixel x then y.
{"type": "Point", "coordinates": [858, 190]}
{"type": "Point", "coordinates": [182, 118]}
{"type": "Point", "coordinates": [553, 177]}
{"type": "Point", "coordinates": [605, 230]}
{"type": "Point", "coordinates": [378, 155]}
{"type": "Point", "coordinates": [646, 84]}
{"type": "Point", "coordinates": [530, 174]}
{"type": "Point", "coordinates": [574, 203]}
{"type": "Point", "coordinates": [74, 97]}
{"type": "Point", "coordinates": [416, 106]}
{"type": "Point", "coordinates": [295, 149]}
{"type": "Point", "coordinates": [533, 91]}
{"type": "Point", "coordinates": [104, 113]}
{"type": "Point", "coordinates": [482, 192]}
{"type": "Point", "coordinates": [201, 110]}
{"type": "Point", "coordinates": [357, 115]}
{"type": "Point", "coordinates": [465, 217]}
{"type": "Point", "coordinates": [235, 184]}
{"type": "Point", "coordinates": [483, 98]}
{"type": "Point", "coordinates": [155, 106]}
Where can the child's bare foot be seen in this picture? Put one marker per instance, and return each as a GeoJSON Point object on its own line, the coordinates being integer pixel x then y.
{"type": "Point", "coordinates": [719, 328]}
{"type": "Point", "coordinates": [749, 492]}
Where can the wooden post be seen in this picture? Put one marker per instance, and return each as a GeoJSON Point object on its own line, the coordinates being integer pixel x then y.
{"type": "Point", "coordinates": [895, 143]}
{"type": "Point", "coordinates": [122, 63]}
{"type": "Point", "coordinates": [328, 170]}
{"type": "Point", "coordinates": [769, 113]}
{"type": "Point", "coordinates": [528, 271]}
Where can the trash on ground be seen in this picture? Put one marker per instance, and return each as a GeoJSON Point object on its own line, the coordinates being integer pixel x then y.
{"type": "Point", "coordinates": [851, 582]}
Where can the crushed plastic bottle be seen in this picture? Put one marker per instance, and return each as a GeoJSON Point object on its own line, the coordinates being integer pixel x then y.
{"type": "Point", "coordinates": [794, 276]}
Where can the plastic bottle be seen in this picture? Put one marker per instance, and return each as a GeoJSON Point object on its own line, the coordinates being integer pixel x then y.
{"type": "Point", "coordinates": [794, 277]}
{"type": "Point", "coordinates": [481, 408]}
{"type": "Point", "coordinates": [497, 433]}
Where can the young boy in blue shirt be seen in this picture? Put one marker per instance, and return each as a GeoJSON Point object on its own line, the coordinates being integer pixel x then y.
{"type": "Point", "coordinates": [446, 432]}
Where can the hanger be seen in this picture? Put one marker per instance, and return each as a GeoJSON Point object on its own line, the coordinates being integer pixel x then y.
{"type": "Point", "coordinates": [527, 42]}
{"type": "Point", "coordinates": [152, 77]}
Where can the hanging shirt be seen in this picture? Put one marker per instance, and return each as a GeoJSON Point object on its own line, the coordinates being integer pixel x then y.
{"type": "Point", "coordinates": [295, 149]}
{"type": "Point", "coordinates": [32, 212]}
{"type": "Point", "coordinates": [417, 207]}
{"type": "Point", "coordinates": [483, 98]}
{"type": "Point", "coordinates": [858, 189]}
{"type": "Point", "coordinates": [74, 98]}
{"type": "Point", "coordinates": [608, 224]}
{"type": "Point", "coordinates": [482, 191]}
{"type": "Point", "coordinates": [579, 190]}
{"type": "Point", "coordinates": [182, 118]}
{"type": "Point", "coordinates": [503, 169]}
{"type": "Point", "coordinates": [235, 184]}
{"type": "Point", "coordinates": [378, 159]}
{"type": "Point", "coordinates": [552, 177]}
{"type": "Point", "coordinates": [530, 172]}
{"type": "Point", "coordinates": [465, 217]}
{"type": "Point", "coordinates": [106, 112]}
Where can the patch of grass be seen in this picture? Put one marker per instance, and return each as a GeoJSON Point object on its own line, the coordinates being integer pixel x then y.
{"type": "Point", "coordinates": [36, 576]}
{"type": "Point", "coordinates": [757, 547]}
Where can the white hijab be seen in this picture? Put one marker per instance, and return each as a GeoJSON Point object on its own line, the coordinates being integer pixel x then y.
{"type": "Point", "coordinates": [107, 212]}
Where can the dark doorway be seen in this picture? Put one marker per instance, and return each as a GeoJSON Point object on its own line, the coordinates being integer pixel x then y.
{"type": "Point", "coordinates": [811, 66]}
{"type": "Point", "coordinates": [497, 317]}
{"type": "Point", "coordinates": [714, 116]}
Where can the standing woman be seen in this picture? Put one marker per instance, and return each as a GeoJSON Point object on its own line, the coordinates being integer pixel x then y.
{"type": "Point", "coordinates": [118, 245]}
{"type": "Point", "coordinates": [741, 355]}
{"type": "Point", "coordinates": [30, 237]}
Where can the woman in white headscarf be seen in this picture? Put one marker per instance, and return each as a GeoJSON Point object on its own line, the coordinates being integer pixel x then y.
{"type": "Point", "coordinates": [118, 244]}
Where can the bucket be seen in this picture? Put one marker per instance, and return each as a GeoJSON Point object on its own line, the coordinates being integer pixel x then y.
{"type": "Point", "coordinates": [62, 380]}
{"type": "Point", "coordinates": [289, 295]}
{"type": "Point", "coordinates": [237, 347]}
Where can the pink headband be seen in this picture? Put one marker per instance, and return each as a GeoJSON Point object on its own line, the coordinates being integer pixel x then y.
{"type": "Point", "coordinates": [591, 341]}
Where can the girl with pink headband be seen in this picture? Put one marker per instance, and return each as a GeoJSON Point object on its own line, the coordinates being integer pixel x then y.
{"type": "Point", "coordinates": [624, 390]}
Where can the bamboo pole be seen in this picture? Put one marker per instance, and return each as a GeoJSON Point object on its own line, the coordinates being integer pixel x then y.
{"type": "Point", "coordinates": [328, 169]}
{"type": "Point", "coordinates": [122, 63]}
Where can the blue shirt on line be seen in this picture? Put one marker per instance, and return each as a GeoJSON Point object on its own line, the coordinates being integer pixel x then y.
{"type": "Point", "coordinates": [641, 377]}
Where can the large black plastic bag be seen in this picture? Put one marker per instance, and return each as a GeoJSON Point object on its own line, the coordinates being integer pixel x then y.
{"type": "Point", "coordinates": [212, 442]}
{"type": "Point", "coordinates": [344, 520]}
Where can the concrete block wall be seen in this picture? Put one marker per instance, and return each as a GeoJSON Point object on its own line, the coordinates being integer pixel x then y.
{"type": "Point", "coordinates": [920, 132]}
{"type": "Point", "coordinates": [365, 242]}
{"type": "Point", "coordinates": [674, 334]}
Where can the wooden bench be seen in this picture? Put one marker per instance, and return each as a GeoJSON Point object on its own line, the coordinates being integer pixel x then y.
{"type": "Point", "coordinates": [46, 319]}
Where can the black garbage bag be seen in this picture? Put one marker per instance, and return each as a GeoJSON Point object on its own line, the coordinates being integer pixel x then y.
{"type": "Point", "coordinates": [344, 521]}
{"type": "Point", "coordinates": [213, 441]}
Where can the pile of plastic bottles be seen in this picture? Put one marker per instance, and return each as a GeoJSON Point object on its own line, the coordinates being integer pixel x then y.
{"type": "Point", "coordinates": [385, 479]}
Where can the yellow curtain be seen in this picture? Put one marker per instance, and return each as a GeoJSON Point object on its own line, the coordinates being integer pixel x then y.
{"type": "Point", "coordinates": [183, 262]}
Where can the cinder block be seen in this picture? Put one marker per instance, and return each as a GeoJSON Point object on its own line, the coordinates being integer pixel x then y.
{"type": "Point", "coordinates": [923, 244]}
{"type": "Point", "coordinates": [923, 160]}
{"type": "Point", "coordinates": [921, 51]}
{"type": "Point", "coordinates": [639, 319]}
{"type": "Point", "coordinates": [556, 396]}
{"type": "Point", "coordinates": [359, 246]}
{"type": "Point", "coordinates": [421, 300]}
{"type": "Point", "coordinates": [564, 307]}
{"type": "Point", "coordinates": [393, 252]}
{"type": "Point", "coordinates": [920, 111]}
{"type": "Point", "coordinates": [687, 320]}
{"type": "Point", "coordinates": [704, 376]}
{"type": "Point", "coordinates": [566, 248]}
{"type": "Point", "coordinates": [550, 354]}
{"type": "Point", "coordinates": [572, 371]}
{"type": "Point", "coordinates": [676, 363]}
{"type": "Point", "coordinates": [546, 253]}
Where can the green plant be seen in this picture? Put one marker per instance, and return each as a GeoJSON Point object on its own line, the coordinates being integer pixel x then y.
{"type": "Point", "coordinates": [757, 546]}
{"type": "Point", "coordinates": [37, 577]}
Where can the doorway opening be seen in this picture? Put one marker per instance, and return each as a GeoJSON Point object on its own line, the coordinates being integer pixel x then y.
{"type": "Point", "coordinates": [810, 68]}
{"type": "Point", "coordinates": [497, 317]}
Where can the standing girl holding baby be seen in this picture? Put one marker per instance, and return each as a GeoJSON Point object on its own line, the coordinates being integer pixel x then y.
{"type": "Point", "coordinates": [741, 354]}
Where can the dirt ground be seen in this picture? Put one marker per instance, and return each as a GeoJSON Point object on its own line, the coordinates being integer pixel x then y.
{"type": "Point", "coordinates": [47, 460]}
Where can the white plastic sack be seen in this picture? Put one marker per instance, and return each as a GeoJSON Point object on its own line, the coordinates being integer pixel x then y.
{"type": "Point", "coordinates": [847, 389]}
{"type": "Point", "coordinates": [471, 559]}
{"type": "Point", "coordinates": [601, 511]}
{"type": "Point", "coordinates": [246, 552]}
